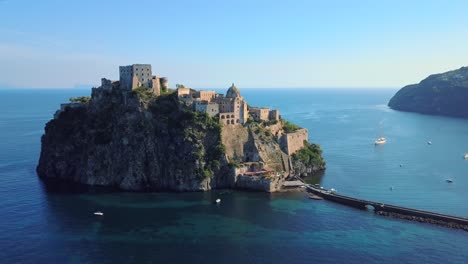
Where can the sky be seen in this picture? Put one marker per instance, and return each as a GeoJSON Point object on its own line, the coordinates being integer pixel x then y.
{"type": "Point", "coordinates": [211, 44]}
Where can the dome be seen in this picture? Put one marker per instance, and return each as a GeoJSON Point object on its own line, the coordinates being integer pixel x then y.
{"type": "Point", "coordinates": [232, 92]}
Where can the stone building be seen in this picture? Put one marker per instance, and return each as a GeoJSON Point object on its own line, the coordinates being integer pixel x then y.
{"type": "Point", "coordinates": [274, 115]}
{"type": "Point", "coordinates": [205, 95]}
{"type": "Point", "coordinates": [183, 91]}
{"type": "Point", "coordinates": [135, 75]}
{"type": "Point", "coordinates": [263, 114]}
{"type": "Point", "coordinates": [138, 75]}
{"type": "Point", "coordinates": [232, 108]}
{"type": "Point", "coordinates": [211, 108]}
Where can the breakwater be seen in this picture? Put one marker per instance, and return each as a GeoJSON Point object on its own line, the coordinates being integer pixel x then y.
{"type": "Point", "coordinates": [393, 210]}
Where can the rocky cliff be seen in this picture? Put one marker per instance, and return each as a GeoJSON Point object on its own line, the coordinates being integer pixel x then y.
{"type": "Point", "coordinates": [438, 94]}
{"type": "Point", "coordinates": [134, 141]}
{"type": "Point", "coordinates": [118, 140]}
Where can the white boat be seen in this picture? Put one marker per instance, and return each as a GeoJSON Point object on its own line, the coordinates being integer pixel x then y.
{"type": "Point", "coordinates": [465, 156]}
{"type": "Point", "coordinates": [429, 142]}
{"type": "Point", "coordinates": [449, 180]}
{"type": "Point", "coordinates": [332, 190]}
{"type": "Point", "coordinates": [380, 141]}
{"type": "Point", "coordinates": [218, 201]}
{"type": "Point", "coordinates": [98, 213]}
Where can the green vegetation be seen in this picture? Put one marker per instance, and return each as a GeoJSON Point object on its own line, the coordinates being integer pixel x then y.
{"type": "Point", "coordinates": [271, 122]}
{"type": "Point", "coordinates": [179, 86]}
{"type": "Point", "coordinates": [80, 99]}
{"type": "Point", "coordinates": [289, 127]}
{"type": "Point", "coordinates": [145, 93]}
{"type": "Point", "coordinates": [438, 94]}
{"type": "Point", "coordinates": [250, 120]}
{"type": "Point", "coordinates": [201, 129]}
{"type": "Point", "coordinates": [234, 164]}
{"type": "Point", "coordinates": [310, 155]}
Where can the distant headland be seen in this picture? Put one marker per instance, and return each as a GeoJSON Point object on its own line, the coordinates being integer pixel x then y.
{"type": "Point", "coordinates": [439, 94]}
{"type": "Point", "coordinates": [138, 134]}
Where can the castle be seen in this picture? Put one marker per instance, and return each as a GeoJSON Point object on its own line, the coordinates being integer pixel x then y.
{"type": "Point", "coordinates": [231, 108]}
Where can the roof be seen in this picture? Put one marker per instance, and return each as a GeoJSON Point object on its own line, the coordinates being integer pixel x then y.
{"type": "Point", "coordinates": [233, 92]}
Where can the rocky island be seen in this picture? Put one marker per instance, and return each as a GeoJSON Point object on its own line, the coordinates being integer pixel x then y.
{"type": "Point", "coordinates": [439, 94]}
{"type": "Point", "coordinates": [137, 134]}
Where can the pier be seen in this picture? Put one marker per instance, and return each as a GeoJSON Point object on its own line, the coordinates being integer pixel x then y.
{"type": "Point", "coordinates": [392, 210]}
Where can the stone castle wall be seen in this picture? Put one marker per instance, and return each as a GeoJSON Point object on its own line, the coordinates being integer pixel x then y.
{"type": "Point", "coordinates": [292, 142]}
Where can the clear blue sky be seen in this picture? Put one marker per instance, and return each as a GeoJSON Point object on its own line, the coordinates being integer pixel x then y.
{"type": "Point", "coordinates": [323, 43]}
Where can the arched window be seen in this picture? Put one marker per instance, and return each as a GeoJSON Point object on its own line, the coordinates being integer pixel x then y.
{"type": "Point", "coordinates": [237, 121]}
{"type": "Point", "coordinates": [232, 116]}
{"type": "Point", "coordinates": [222, 116]}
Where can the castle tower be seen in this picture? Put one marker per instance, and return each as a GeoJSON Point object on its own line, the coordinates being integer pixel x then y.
{"type": "Point", "coordinates": [135, 75]}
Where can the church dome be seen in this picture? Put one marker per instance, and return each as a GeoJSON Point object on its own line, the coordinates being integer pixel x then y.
{"type": "Point", "coordinates": [232, 92]}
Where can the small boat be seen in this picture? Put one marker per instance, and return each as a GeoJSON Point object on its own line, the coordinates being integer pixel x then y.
{"type": "Point", "coordinates": [332, 190]}
{"type": "Point", "coordinates": [98, 213]}
{"type": "Point", "coordinates": [429, 142]}
{"type": "Point", "coordinates": [449, 180]}
{"type": "Point", "coordinates": [218, 201]}
{"type": "Point", "coordinates": [380, 141]}
{"type": "Point", "coordinates": [465, 156]}
{"type": "Point", "coordinates": [391, 188]}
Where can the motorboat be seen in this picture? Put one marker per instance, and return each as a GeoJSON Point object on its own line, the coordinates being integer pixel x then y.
{"type": "Point", "coordinates": [99, 213]}
{"type": "Point", "coordinates": [218, 201]}
{"type": "Point", "coordinates": [380, 141]}
{"type": "Point", "coordinates": [465, 156]}
{"type": "Point", "coordinates": [429, 142]}
{"type": "Point", "coordinates": [332, 190]}
{"type": "Point", "coordinates": [449, 180]}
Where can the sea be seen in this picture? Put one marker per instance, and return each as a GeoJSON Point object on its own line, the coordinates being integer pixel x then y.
{"type": "Point", "coordinates": [42, 225]}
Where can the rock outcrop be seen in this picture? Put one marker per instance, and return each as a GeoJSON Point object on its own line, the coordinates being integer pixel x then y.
{"type": "Point", "coordinates": [132, 140]}
{"type": "Point", "coordinates": [439, 94]}
{"type": "Point", "coordinates": [116, 140]}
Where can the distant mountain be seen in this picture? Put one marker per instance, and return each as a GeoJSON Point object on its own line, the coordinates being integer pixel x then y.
{"type": "Point", "coordinates": [439, 94]}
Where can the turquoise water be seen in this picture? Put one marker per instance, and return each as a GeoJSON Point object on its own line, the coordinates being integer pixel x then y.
{"type": "Point", "coordinates": [39, 226]}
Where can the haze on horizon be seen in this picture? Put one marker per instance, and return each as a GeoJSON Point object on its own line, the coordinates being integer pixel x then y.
{"type": "Point", "coordinates": [54, 44]}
